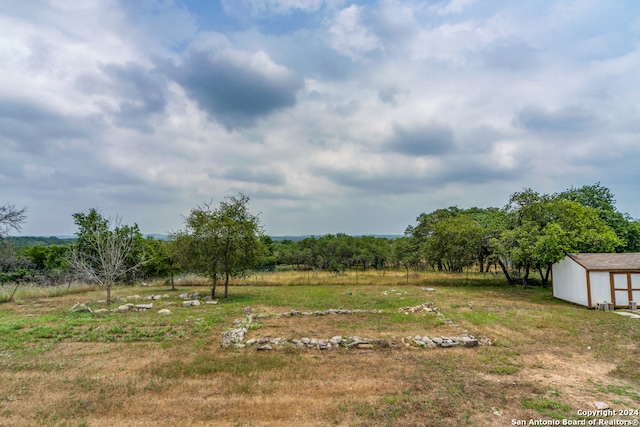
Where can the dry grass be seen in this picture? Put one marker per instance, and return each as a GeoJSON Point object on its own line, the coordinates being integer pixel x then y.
{"type": "Point", "coordinates": [549, 359]}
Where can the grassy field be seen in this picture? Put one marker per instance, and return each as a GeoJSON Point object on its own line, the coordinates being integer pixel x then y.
{"type": "Point", "coordinates": [548, 359]}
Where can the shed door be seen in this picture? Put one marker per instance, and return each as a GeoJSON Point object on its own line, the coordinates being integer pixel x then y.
{"type": "Point", "coordinates": [625, 287]}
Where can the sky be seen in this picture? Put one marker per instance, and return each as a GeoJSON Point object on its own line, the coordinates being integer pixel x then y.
{"type": "Point", "coordinates": [333, 116]}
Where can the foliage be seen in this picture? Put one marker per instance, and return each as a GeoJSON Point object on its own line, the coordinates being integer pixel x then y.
{"type": "Point", "coordinates": [335, 252]}
{"type": "Point", "coordinates": [530, 233]}
{"type": "Point", "coordinates": [541, 229]}
{"type": "Point", "coordinates": [221, 241]}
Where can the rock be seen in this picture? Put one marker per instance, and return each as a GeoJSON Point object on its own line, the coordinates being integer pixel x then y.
{"type": "Point", "coordinates": [125, 307]}
{"type": "Point", "coordinates": [184, 296]}
{"type": "Point", "coordinates": [214, 302]}
{"type": "Point", "coordinates": [437, 340]}
{"type": "Point", "coordinates": [364, 346]}
{"type": "Point", "coordinates": [265, 347]}
{"type": "Point", "coordinates": [601, 405]}
{"type": "Point", "coordinates": [428, 343]}
{"type": "Point", "coordinates": [144, 306]}
{"type": "Point", "coordinates": [164, 311]}
{"type": "Point", "coordinates": [194, 302]}
{"type": "Point", "coordinates": [233, 336]}
{"type": "Point", "coordinates": [81, 308]}
{"type": "Point", "coordinates": [251, 341]}
{"type": "Point", "coordinates": [101, 310]}
{"type": "Point", "coordinates": [470, 342]}
{"type": "Point", "coordinates": [336, 340]}
{"type": "Point", "coordinates": [305, 340]}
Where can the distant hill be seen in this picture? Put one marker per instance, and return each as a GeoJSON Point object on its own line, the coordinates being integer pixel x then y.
{"type": "Point", "coordinates": [302, 237]}
{"type": "Point", "coordinates": [27, 241]}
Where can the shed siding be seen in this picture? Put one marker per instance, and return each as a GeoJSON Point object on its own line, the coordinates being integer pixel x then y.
{"type": "Point", "coordinates": [600, 287]}
{"type": "Point", "coordinates": [570, 282]}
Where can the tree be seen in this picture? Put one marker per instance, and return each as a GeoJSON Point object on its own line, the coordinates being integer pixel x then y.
{"type": "Point", "coordinates": [10, 218]}
{"type": "Point", "coordinates": [106, 251]}
{"type": "Point", "coordinates": [602, 200]}
{"type": "Point", "coordinates": [221, 241]}
{"type": "Point", "coordinates": [12, 267]}
{"type": "Point", "coordinates": [541, 229]}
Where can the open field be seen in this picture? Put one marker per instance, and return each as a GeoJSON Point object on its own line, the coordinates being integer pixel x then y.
{"type": "Point", "coordinates": [548, 359]}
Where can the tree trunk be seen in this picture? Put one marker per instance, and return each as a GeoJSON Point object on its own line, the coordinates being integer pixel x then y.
{"type": "Point", "coordinates": [545, 276]}
{"type": "Point", "coordinates": [525, 277]}
{"type": "Point", "coordinates": [108, 287]}
{"type": "Point", "coordinates": [226, 285]}
{"type": "Point", "coordinates": [506, 272]}
{"type": "Point", "coordinates": [173, 285]}
{"type": "Point", "coordinates": [213, 287]}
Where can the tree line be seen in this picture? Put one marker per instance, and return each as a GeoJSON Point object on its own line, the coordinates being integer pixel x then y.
{"type": "Point", "coordinates": [521, 240]}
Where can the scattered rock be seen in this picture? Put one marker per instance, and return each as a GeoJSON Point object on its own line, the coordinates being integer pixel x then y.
{"type": "Point", "coordinates": [194, 302]}
{"type": "Point", "coordinates": [81, 308]}
{"type": "Point", "coordinates": [133, 297]}
{"type": "Point", "coordinates": [428, 307]}
{"type": "Point", "coordinates": [470, 342]}
{"type": "Point", "coordinates": [601, 405]}
{"type": "Point", "coordinates": [125, 307]}
{"type": "Point", "coordinates": [164, 311]}
{"type": "Point", "coordinates": [144, 306]}
{"type": "Point", "coordinates": [233, 336]}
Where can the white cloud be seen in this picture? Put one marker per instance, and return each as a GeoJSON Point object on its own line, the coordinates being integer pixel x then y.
{"type": "Point", "coordinates": [350, 36]}
{"type": "Point", "coordinates": [316, 110]}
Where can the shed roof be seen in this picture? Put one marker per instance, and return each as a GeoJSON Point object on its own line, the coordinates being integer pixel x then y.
{"type": "Point", "coordinates": [626, 261]}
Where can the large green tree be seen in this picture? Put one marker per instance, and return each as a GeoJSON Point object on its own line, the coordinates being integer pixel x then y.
{"type": "Point", "coordinates": [602, 200]}
{"type": "Point", "coordinates": [541, 229]}
{"type": "Point", "coordinates": [222, 241]}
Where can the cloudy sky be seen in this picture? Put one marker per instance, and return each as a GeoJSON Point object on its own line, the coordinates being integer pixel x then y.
{"type": "Point", "coordinates": [331, 115]}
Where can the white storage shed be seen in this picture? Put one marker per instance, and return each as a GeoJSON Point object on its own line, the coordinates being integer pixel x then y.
{"type": "Point", "coordinates": [589, 279]}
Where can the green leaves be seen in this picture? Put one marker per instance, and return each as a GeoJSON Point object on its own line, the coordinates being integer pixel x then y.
{"type": "Point", "coordinates": [223, 240]}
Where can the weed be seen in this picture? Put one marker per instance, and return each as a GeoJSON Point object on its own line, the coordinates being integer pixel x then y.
{"type": "Point", "coordinates": [547, 407]}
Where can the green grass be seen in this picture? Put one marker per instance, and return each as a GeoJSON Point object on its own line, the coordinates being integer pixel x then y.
{"type": "Point", "coordinates": [548, 408]}
{"type": "Point", "coordinates": [452, 385]}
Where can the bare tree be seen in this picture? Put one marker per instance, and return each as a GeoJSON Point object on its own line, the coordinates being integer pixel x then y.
{"type": "Point", "coordinates": [10, 218]}
{"type": "Point", "coordinates": [106, 250]}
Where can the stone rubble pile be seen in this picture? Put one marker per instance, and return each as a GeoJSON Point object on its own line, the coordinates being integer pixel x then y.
{"type": "Point", "coordinates": [323, 313]}
{"type": "Point", "coordinates": [428, 307]}
{"type": "Point", "coordinates": [235, 337]}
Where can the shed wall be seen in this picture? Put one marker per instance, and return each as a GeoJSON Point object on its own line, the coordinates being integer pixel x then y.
{"type": "Point", "coordinates": [570, 281]}
{"type": "Point", "coordinates": [600, 287]}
